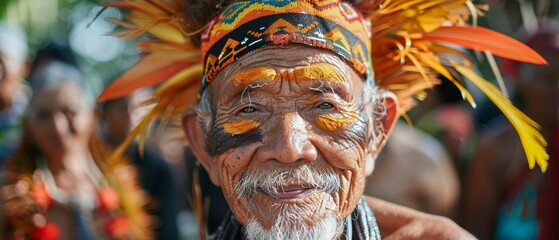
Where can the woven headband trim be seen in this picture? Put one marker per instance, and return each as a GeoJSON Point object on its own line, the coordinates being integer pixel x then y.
{"type": "Point", "coordinates": [282, 29]}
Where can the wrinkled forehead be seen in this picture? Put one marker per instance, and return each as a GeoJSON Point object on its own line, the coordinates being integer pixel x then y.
{"type": "Point", "coordinates": [295, 63]}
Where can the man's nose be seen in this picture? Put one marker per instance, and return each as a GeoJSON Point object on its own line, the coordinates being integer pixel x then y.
{"type": "Point", "coordinates": [288, 141]}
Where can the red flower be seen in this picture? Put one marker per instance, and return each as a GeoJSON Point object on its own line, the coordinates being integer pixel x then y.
{"type": "Point", "coordinates": [108, 199]}
{"type": "Point", "coordinates": [49, 231]}
{"type": "Point", "coordinates": [117, 227]}
{"type": "Point", "coordinates": [40, 195]}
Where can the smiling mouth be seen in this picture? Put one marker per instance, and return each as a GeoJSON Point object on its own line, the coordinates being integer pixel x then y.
{"type": "Point", "coordinates": [289, 192]}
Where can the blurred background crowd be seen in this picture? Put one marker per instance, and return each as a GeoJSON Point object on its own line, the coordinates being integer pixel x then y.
{"type": "Point", "coordinates": [447, 158]}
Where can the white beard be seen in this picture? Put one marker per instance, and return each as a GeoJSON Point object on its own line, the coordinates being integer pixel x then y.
{"type": "Point", "coordinates": [289, 225]}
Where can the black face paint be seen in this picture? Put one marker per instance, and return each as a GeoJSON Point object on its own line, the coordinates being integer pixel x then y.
{"type": "Point", "coordinates": [218, 141]}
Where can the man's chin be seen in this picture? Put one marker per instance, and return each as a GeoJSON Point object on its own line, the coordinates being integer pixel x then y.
{"type": "Point", "coordinates": [292, 226]}
{"type": "Point", "coordinates": [310, 209]}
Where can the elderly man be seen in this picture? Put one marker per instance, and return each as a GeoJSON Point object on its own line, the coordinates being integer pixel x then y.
{"type": "Point", "coordinates": [13, 96]}
{"type": "Point", "coordinates": [291, 150]}
{"type": "Point", "coordinates": [289, 116]}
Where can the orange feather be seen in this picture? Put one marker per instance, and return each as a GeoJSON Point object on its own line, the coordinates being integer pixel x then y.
{"type": "Point", "coordinates": [142, 75]}
{"type": "Point", "coordinates": [483, 39]}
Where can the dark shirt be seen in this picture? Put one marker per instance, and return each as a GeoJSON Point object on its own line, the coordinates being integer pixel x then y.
{"type": "Point", "coordinates": [157, 179]}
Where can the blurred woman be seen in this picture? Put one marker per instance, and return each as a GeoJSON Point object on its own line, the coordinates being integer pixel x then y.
{"type": "Point", "coordinates": [61, 184]}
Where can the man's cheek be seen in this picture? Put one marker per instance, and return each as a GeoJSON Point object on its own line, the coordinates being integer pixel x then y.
{"type": "Point", "coordinates": [238, 205]}
{"type": "Point", "coordinates": [347, 142]}
{"type": "Point", "coordinates": [348, 128]}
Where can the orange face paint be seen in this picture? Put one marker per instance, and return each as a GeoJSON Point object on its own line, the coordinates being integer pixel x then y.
{"type": "Point", "coordinates": [240, 127]}
{"type": "Point", "coordinates": [244, 78]}
{"type": "Point", "coordinates": [321, 71]}
{"type": "Point", "coordinates": [330, 123]}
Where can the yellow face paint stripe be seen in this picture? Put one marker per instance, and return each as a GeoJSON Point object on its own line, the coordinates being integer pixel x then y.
{"type": "Point", "coordinates": [321, 71]}
{"type": "Point", "coordinates": [330, 123]}
{"type": "Point", "coordinates": [244, 78]}
{"type": "Point", "coordinates": [240, 127]}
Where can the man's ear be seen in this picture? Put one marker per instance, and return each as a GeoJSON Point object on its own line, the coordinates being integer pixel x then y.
{"type": "Point", "coordinates": [196, 139]}
{"type": "Point", "coordinates": [390, 105]}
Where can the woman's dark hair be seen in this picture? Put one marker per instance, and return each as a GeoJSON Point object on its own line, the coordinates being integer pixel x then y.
{"type": "Point", "coordinates": [54, 52]}
{"type": "Point", "coordinates": [22, 161]}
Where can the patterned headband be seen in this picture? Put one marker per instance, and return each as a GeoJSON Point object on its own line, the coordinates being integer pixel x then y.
{"type": "Point", "coordinates": [249, 25]}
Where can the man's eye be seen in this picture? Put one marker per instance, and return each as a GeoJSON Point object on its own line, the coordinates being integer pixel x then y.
{"type": "Point", "coordinates": [248, 110]}
{"type": "Point", "coordinates": [325, 105]}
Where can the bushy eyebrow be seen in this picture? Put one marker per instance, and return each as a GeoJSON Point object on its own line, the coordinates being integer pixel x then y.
{"type": "Point", "coordinates": [318, 72]}
{"type": "Point", "coordinates": [315, 72]}
{"type": "Point", "coordinates": [330, 87]}
{"type": "Point", "coordinates": [244, 78]}
{"type": "Point", "coordinates": [329, 78]}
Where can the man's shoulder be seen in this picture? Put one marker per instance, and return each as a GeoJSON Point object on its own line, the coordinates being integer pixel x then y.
{"type": "Point", "coordinates": [400, 222]}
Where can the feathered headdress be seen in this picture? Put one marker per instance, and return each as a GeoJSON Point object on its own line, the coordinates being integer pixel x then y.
{"type": "Point", "coordinates": [408, 42]}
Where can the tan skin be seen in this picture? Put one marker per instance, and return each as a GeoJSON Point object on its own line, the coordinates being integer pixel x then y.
{"type": "Point", "coordinates": [11, 73]}
{"type": "Point", "coordinates": [288, 112]}
{"type": "Point", "coordinates": [426, 180]}
{"type": "Point", "coordinates": [397, 222]}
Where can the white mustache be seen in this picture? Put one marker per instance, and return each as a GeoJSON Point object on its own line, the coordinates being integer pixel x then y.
{"type": "Point", "coordinates": [273, 180]}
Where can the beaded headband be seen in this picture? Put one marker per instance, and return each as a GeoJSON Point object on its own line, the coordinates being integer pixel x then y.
{"type": "Point", "coordinates": [248, 25]}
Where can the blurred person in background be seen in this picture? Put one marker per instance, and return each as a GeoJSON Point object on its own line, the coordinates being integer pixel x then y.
{"type": "Point", "coordinates": [414, 170]}
{"type": "Point", "coordinates": [60, 182]}
{"type": "Point", "coordinates": [445, 116]}
{"type": "Point", "coordinates": [14, 94]}
{"type": "Point", "coordinates": [506, 200]}
{"type": "Point", "coordinates": [117, 117]}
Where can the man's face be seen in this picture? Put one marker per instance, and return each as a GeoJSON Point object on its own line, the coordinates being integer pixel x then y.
{"type": "Point", "coordinates": [288, 141]}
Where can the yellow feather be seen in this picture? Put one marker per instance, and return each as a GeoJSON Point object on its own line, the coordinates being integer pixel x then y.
{"type": "Point", "coordinates": [532, 141]}
{"type": "Point", "coordinates": [160, 27]}
{"type": "Point", "coordinates": [437, 66]}
{"type": "Point", "coordinates": [422, 70]}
